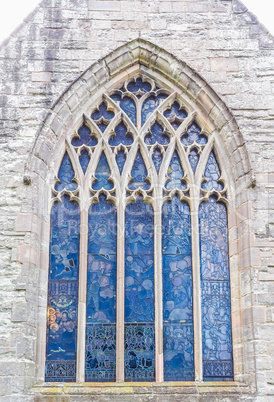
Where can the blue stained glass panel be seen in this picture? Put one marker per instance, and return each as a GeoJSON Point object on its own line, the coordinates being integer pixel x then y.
{"type": "Point", "coordinates": [121, 137]}
{"type": "Point", "coordinates": [156, 135]}
{"type": "Point", "coordinates": [85, 137]}
{"type": "Point", "coordinates": [178, 352]}
{"type": "Point", "coordinates": [175, 174]}
{"type": "Point", "coordinates": [175, 115]}
{"type": "Point", "coordinates": [139, 174]}
{"type": "Point", "coordinates": [215, 292]}
{"type": "Point", "coordinates": [120, 160]}
{"type": "Point", "coordinates": [127, 105]}
{"type": "Point", "coordinates": [137, 85]}
{"type": "Point", "coordinates": [157, 158]}
{"type": "Point", "coordinates": [66, 175]}
{"type": "Point", "coordinates": [100, 352]}
{"type": "Point", "coordinates": [101, 282]}
{"type": "Point", "coordinates": [150, 104]}
{"type": "Point", "coordinates": [101, 292]}
{"type": "Point", "coordinates": [193, 158]}
{"type": "Point", "coordinates": [212, 175]}
{"type": "Point", "coordinates": [139, 352]}
{"type": "Point", "coordinates": [177, 292]}
{"type": "Point", "coordinates": [102, 175]}
{"type": "Point", "coordinates": [193, 134]}
{"type": "Point", "coordinates": [102, 112]}
{"type": "Point", "coordinates": [61, 340]}
{"type": "Point", "coordinates": [139, 291]}
{"type": "Point", "coordinates": [84, 159]}
{"type": "Point", "coordinates": [64, 240]}
{"type": "Point", "coordinates": [174, 111]}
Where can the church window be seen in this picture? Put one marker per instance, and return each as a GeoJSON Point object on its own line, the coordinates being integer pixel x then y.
{"type": "Point", "coordinates": [138, 262]}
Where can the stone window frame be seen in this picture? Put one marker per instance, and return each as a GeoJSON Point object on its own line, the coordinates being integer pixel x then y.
{"type": "Point", "coordinates": [125, 62]}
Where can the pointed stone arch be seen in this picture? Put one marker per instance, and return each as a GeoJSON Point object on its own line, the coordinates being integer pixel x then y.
{"type": "Point", "coordinates": [132, 58]}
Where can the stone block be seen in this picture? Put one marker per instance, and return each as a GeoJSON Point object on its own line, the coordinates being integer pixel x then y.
{"type": "Point", "coordinates": [104, 5]}
{"type": "Point", "coordinates": [41, 76]}
{"type": "Point", "coordinates": [254, 314]}
{"type": "Point", "coordinates": [23, 223]}
{"type": "Point", "coordinates": [19, 311]}
{"type": "Point", "coordinates": [224, 64]}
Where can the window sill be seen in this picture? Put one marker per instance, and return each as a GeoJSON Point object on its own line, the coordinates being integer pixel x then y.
{"type": "Point", "coordinates": [228, 388]}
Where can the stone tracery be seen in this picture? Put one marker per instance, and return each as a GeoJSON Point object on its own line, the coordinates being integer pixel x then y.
{"type": "Point", "coordinates": [150, 146]}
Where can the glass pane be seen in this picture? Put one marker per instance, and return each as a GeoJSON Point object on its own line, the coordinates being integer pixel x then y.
{"type": "Point", "coordinates": [139, 292]}
{"type": "Point", "coordinates": [85, 137]}
{"type": "Point", "coordinates": [156, 135]}
{"type": "Point", "coordinates": [215, 289]}
{"type": "Point", "coordinates": [150, 104]}
{"type": "Point", "coordinates": [175, 174]}
{"type": "Point", "coordinates": [127, 105]}
{"type": "Point", "coordinates": [193, 158]}
{"type": "Point", "coordinates": [193, 134]}
{"type": "Point", "coordinates": [139, 85]}
{"type": "Point", "coordinates": [102, 175]}
{"type": "Point", "coordinates": [139, 174]}
{"type": "Point", "coordinates": [177, 292]}
{"type": "Point", "coordinates": [84, 159]}
{"type": "Point", "coordinates": [120, 160]}
{"type": "Point", "coordinates": [102, 116]}
{"type": "Point", "coordinates": [63, 292]}
{"type": "Point", "coordinates": [66, 175]}
{"type": "Point", "coordinates": [175, 115]}
{"type": "Point", "coordinates": [157, 158]}
{"type": "Point", "coordinates": [101, 292]}
{"type": "Point", "coordinates": [212, 175]}
{"type": "Point", "coordinates": [121, 136]}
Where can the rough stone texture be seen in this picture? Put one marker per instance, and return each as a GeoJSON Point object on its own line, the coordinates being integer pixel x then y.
{"type": "Point", "coordinates": [224, 43]}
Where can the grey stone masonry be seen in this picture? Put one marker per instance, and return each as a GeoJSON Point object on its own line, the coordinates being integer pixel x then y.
{"type": "Point", "coordinates": [52, 67]}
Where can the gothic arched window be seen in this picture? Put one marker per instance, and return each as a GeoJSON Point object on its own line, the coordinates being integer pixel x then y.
{"type": "Point", "coordinates": [139, 286]}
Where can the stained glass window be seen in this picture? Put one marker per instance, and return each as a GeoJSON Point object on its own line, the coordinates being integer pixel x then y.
{"type": "Point", "coordinates": [139, 244]}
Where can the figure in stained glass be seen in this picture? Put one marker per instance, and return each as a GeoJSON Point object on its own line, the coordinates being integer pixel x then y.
{"type": "Point", "coordinates": [101, 292]}
{"type": "Point", "coordinates": [216, 310]}
{"type": "Point", "coordinates": [139, 291]}
{"type": "Point", "coordinates": [177, 292]}
{"type": "Point", "coordinates": [63, 292]}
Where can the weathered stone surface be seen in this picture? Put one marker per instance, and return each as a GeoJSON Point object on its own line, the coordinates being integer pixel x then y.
{"type": "Point", "coordinates": [234, 54]}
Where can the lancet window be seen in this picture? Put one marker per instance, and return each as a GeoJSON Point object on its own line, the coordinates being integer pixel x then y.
{"type": "Point", "coordinates": [138, 286]}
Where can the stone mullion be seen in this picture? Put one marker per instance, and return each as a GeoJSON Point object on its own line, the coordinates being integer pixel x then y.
{"type": "Point", "coordinates": [120, 301]}
{"type": "Point", "coordinates": [197, 316]}
{"type": "Point", "coordinates": [81, 333]}
{"type": "Point", "coordinates": [159, 356]}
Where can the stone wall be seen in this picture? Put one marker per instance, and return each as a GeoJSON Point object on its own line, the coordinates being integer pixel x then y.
{"type": "Point", "coordinates": [224, 44]}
